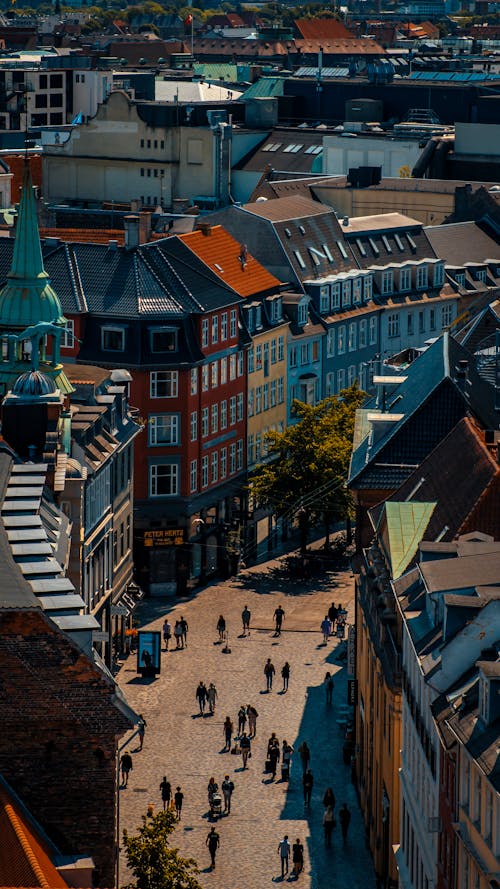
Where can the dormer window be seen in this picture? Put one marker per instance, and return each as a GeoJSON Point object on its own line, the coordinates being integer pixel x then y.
{"type": "Point", "coordinates": [357, 291]}
{"type": "Point", "coordinates": [258, 317]}
{"type": "Point", "coordinates": [405, 279]}
{"type": "Point", "coordinates": [324, 299]}
{"type": "Point", "coordinates": [113, 339]}
{"type": "Point", "coordinates": [460, 279]}
{"type": "Point", "coordinates": [387, 285]}
{"type": "Point", "coordinates": [275, 309]}
{"type": "Point", "coordinates": [481, 275]}
{"type": "Point", "coordinates": [422, 277]}
{"type": "Point", "coordinates": [336, 295]}
{"type": "Point", "coordinates": [302, 314]}
{"type": "Point", "coordinates": [346, 293]}
{"type": "Point", "coordinates": [164, 339]}
{"type": "Point", "coordinates": [438, 274]}
{"type": "Point", "coordinates": [367, 288]}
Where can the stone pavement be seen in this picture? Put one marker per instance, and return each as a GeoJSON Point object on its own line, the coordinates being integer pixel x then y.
{"type": "Point", "coordinates": [188, 748]}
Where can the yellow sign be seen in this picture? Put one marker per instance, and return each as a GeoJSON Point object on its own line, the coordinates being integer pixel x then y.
{"type": "Point", "coordinates": [164, 537]}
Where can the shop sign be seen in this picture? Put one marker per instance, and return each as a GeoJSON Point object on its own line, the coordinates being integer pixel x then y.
{"type": "Point", "coordinates": [351, 650]}
{"type": "Point", "coordinates": [164, 537]}
{"type": "Point", "coordinates": [352, 692]}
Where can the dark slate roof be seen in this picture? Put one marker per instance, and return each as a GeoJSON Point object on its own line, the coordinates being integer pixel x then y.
{"type": "Point", "coordinates": [455, 476]}
{"type": "Point", "coordinates": [431, 402]}
{"type": "Point", "coordinates": [386, 240]}
{"type": "Point", "coordinates": [207, 291]}
{"type": "Point", "coordinates": [480, 741]}
{"type": "Point", "coordinates": [15, 591]}
{"type": "Point", "coordinates": [301, 161]}
{"type": "Point", "coordinates": [462, 242]}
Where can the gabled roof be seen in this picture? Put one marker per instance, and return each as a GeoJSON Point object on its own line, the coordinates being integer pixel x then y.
{"type": "Point", "coordinates": [230, 261]}
{"type": "Point", "coordinates": [430, 401]}
{"type": "Point", "coordinates": [322, 29]}
{"type": "Point", "coordinates": [401, 528]}
{"type": "Point", "coordinates": [25, 854]}
{"type": "Point", "coordinates": [462, 242]}
{"type": "Point", "coordinates": [289, 208]}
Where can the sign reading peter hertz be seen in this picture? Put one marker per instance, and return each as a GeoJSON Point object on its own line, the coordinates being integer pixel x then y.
{"type": "Point", "coordinates": [164, 537]}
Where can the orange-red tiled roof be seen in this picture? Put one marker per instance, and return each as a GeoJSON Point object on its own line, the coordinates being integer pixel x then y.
{"type": "Point", "coordinates": [85, 235]}
{"type": "Point", "coordinates": [24, 860]}
{"type": "Point", "coordinates": [219, 248]}
{"type": "Point", "coordinates": [318, 29]}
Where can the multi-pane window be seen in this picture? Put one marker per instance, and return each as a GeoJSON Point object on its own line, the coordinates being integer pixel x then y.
{"type": "Point", "coordinates": [233, 323]}
{"type": "Point", "coordinates": [258, 399]}
{"type": "Point", "coordinates": [273, 351]}
{"type": "Point", "coordinates": [281, 348]}
{"type": "Point", "coordinates": [241, 363]}
{"type": "Point", "coordinates": [194, 380]}
{"type": "Point", "coordinates": [258, 446]}
{"type": "Point", "coordinates": [352, 336]}
{"type": "Point", "coordinates": [240, 406]}
{"type": "Point", "coordinates": [232, 367]}
{"type": "Point", "coordinates": [351, 374]}
{"type": "Point", "coordinates": [215, 417]}
{"type": "Point", "coordinates": [223, 371]}
{"type": "Point", "coordinates": [214, 374]}
{"type": "Point", "coordinates": [163, 429]}
{"type": "Point", "coordinates": [373, 330]}
{"type": "Point", "coordinates": [215, 329]}
{"type": "Point", "coordinates": [336, 289]}
{"type": "Point", "coordinates": [194, 425]}
{"type": "Point", "coordinates": [304, 353]}
{"type": "Point", "coordinates": [265, 397]}
{"type": "Point", "coordinates": [330, 384]}
{"type": "Point", "coordinates": [239, 454]}
{"type": "Point", "coordinates": [68, 335]}
{"type": "Point", "coordinates": [223, 462]}
{"type": "Point", "coordinates": [250, 454]}
{"type": "Point", "coordinates": [273, 393]}
{"type": "Point", "coordinates": [232, 410]}
{"type": "Point", "coordinates": [223, 414]}
{"type": "Point", "coordinates": [324, 299]}
{"type": "Point", "coordinates": [258, 357]}
{"type": "Point", "coordinates": [330, 343]}
{"type": "Point", "coordinates": [302, 314]}
{"type": "Point", "coordinates": [204, 422]}
{"type": "Point", "coordinates": [232, 458]}
{"type": "Point", "coordinates": [164, 479]}
{"type": "Point", "coordinates": [293, 356]}
{"type": "Point", "coordinates": [346, 293]}
{"type": "Point", "coordinates": [163, 383]}
{"type": "Point", "coordinates": [393, 324]}
{"type": "Point", "coordinates": [113, 339]}
{"type": "Point", "coordinates": [362, 333]}
{"type": "Point", "coordinates": [250, 402]}
{"type": "Point", "coordinates": [405, 279]}
{"type": "Point", "coordinates": [340, 379]}
{"type": "Point", "coordinates": [387, 281]}
{"type": "Point", "coordinates": [223, 326]}
{"type": "Point", "coordinates": [193, 476]}
{"type": "Point", "coordinates": [341, 340]}
{"type": "Point", "coordinates": [446, 314]}
{"type": "Point", "coordinates": [357, 290]}
{"type": "Point", "coordinates": [250, 361]}
{"type": "Point", "coordinates": [266, 359]}
{"type": "Point", "coordinates": [367, 288]}
{"type": "Point", "coordinates": [204, 378]}
{"type": "Point", "coordinates": [422, 276]}
{"type": "Point", "coordinates": [215, 466]}
{"type": "Point", "coordinates": [432, 319]}
{"type": "Point", "coordinates": [281, 390]}
{"type": "Point", "coordinates": [204, 331]}
{"type": "Point", "coordinates": [204, 472]}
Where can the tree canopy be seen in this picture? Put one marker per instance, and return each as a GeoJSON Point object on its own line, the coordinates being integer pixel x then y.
{"type": "Point", "coordinates": [154, 863]}
{"type": "Point", "coordinates": [311, 461]}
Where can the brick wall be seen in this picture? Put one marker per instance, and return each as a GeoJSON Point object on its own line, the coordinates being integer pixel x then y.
{"type": "Point", "coordinates": [59, 733]}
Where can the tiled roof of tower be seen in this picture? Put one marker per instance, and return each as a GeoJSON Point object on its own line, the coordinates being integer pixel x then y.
{"type": "Point", "coordinates": [24, 856]}
{"type": "Point", "coordinates": [226, 258]}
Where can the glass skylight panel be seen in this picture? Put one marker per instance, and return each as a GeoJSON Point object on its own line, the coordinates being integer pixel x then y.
{"type": "Point", "coordinates": [342, 249]}
{"type": "Point", "coordinates": [386, 244]}
{"type": "Point", "coordinates": [302, 230]}
{"type": "Point", "coordinates": [296, 148]}
{"type": "Point", "coordinates": [326, 251]}
{"type": "Point", "coordinates": [399, 243]}
{"type": "Point", "coordinates": [374, 246]}
{"type": "Point", "coordinates": [314, 257]}
{"type": "Point", "coordinates": [313, 149]}
{"type": "Point", "coordinates": [360, 247]}
{"type": "Point", "coordinates": [289, 148]}
{"type": "Point", "coordinates": [298, 257]}
{"type": "Point", "coordinates": [411, 242]}
{"type": "Point", "coordinates": [288, 233]}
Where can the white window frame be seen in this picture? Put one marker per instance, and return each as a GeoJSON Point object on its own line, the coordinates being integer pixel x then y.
{"type": "Point", "coordinates": [281, 348]}
{"type": "Point", "coordinates": [387, 284]}
{"type": "Point", "coordinates": [194, 381]}
{"type": "Point", "coordinates": [336, 295]}
{"type": "Point", "coordinates": [223, 327]}
{"type": "Point", "coordinates": [215, 329]}
{"type": "Point", "coordinates": [204, 332]}
{"type": "Point", "coordinates": [233, 324]}
{"type": "Point", "coordinates": [171, 380]}
{"type": "Point", "coordinates": [214, 467]}
{"type": "Point", "coordinates": [205, 422]}
{"type": "Point", "coordinates": [422, 277]}
{"type": "Point", "coordinates": [341, 339]}
{"type": "Point", "coordinates": [68, 335]}
{"type": "Point", "coordinates": [193, 425]}
{"type": "Point", "coordinates": [373, 330]}
{"type": "Point", "coordinates": [170, 421]}
{"type": "Point", "coordinates": [393, 324]}
{"type": "Point", "coordinates": [204, 471]}
{"type": "Point", "coordinates": [405, 280]}
{"type": "Point", "coordinates": [214, 418]}
{"type": "Point", "coordinates": [352, 343]}
{"type": "Point", "coordinates": [193, 476]}
{"type": "Point", "coordinates": [223, 462]}
{"type": "Point", "coordinates": [363, 334]}
{"type": "Point", "coordinates": [154, 478]}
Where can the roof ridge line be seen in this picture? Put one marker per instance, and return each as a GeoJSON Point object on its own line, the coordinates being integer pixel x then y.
{"type": "Point", "coordinates": [173, 272]}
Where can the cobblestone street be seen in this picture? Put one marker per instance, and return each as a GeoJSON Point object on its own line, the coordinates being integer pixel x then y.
{"type": "Point", "coordinates": [188, 749]}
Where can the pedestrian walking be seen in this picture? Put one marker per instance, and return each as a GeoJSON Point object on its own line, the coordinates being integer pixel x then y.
{"type": "Point", "coordinates": [332, 613]}
{"type": "Point", "coordinates": [279, 614]}
{"type": "Point", "coordinates": [245, 619]}
{"type": "Point", "coordinates": [213, 843]}
{"type": "Point", "coordinates": [246, 748]}
{"type": "Point", "coordinates": [166, 792]}
{"type": "Point", "coordinates": [328, 825]}
{"type": "Point", "coordinates": [305, 756]}
{"type": "Point", "coordinates": [126, 766]}
{"type": "Point", "coordinates": [211, 697]}
{"type": "Point", "coordinates": [345, 820]}
{"type": "Point", "coordinates": [179, 643]}
{"type": "Point", "coordinates": [201, 696]}
{"type": "Point", "coordinates": [252, 720]}
{"type": "Point", "coordinates": [178, 800]}
{"type": "Point", "coordinates": [212, 789]}
{"type": "Point", "coordinates": [285, 673]}
{"type": "Point", "coordinates": [286, 760]}
{"type": "Point", "coordinates": [326, 628]}
{"type": "Point", "coordinates": [269, 672]}
{"type": "Point", "coordinates": [167, 632]}
{"type": "Point", "coordinates": [228, 733]}
{"type": "Point", "coordinates": [242, 719]}
{"type": "Point", "coordinates": [273, 742]}
{"type": "Point", "coordinates": [307, 784]}
{"type": "Point", "coordinates": [328, 683]}
{"type": "Point", "coordinates": [184, 627]}
{"type": "Point", "coordinates": [297, 857]}
{"type": "Point", "coordinates": [284, 854]}
{"type": "Point", "coordinates": [274, 756]}
{"type": "Point", "coordinates": [227, 790]}
{"type": "Point", "coordinates": [141, 728]}
{"type": "Point", "coordinates": [329, 798]}
{"type": "Point", "coordinates": [221, 627]}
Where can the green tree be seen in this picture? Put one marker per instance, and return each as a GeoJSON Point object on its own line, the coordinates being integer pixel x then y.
{"type": "Point", "coordinates": [308, 474]}
{"type": "Point", "coordinates": [154, 863]}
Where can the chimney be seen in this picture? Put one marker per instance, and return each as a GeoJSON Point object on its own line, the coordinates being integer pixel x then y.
{"type": "Point", "coordinates": [144, 227]}
{"type": "Point", "coordinates": [205, 227]}
{"type": "Point", "coordinates": [461, 374]}
{"type": "Point", "coordinates": [345, 221]}
{"type": "Point", "coordinates": [131, 224]}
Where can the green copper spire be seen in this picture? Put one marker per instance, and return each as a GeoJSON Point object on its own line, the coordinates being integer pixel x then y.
{"type": "Point", "coordinates": [27, 298]}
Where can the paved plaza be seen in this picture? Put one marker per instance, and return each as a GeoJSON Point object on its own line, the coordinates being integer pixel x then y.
{"type": "Point", "coordinates": [188, 749]}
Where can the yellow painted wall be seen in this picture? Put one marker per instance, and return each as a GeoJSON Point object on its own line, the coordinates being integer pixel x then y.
{"type": "Point", "coordinates": [265, 420]}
